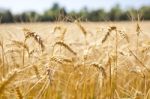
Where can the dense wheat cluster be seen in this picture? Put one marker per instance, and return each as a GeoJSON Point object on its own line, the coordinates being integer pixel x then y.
{"type": "Point", "coordinates": [75, 61]}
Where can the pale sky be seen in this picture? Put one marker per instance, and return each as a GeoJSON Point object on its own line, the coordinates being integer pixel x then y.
{"type": "Point", "coordinates": [18, 6]}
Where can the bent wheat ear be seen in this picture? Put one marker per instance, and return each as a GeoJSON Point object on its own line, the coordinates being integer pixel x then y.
{"type": "Point", "coordinates": [113, 28]}
{"type": "Point", "coordinates": [56, 60]}
{"type": "Point", "coordinates": [65, 46]}
{"type": "Point", "coordinates": [106, 36]}
{"type": "Point", "coordinates": [37, 38]}
{"type": "Point", "coordinates": [124, 36]}
{"type": "Point", "coordinates": [110, 29]}
{"type": "Point", "coordinates": [61, 60]}
{"type": "Point", "coordinates": [81, 28]}
{"type": "Point", "coordinates": [100, 68]}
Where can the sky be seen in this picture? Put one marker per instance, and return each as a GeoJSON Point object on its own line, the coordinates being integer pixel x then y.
{"type": "Point", "coordinates": [18, 6]}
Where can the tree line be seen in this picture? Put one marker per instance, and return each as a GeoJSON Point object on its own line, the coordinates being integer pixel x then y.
{"type": "Point", "coordinates": [57, 13]}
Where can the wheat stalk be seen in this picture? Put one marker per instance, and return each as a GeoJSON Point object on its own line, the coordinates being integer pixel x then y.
{"type": "Point", "coordinates": [36, 71]}
{"type": "Point", "coordinates": [20, 44]}
{"type": "Point", "coordinates": [3, 57]}
{"type": "Point", "coordinates": [8, 80]}
{"type": "Point", "coordinates": [142, 64]}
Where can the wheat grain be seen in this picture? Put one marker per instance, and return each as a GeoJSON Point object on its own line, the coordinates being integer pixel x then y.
{"type": "Point", "coordinates": [19, 94]}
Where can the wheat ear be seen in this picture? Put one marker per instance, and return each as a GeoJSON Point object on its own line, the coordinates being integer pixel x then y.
{"type": "Point", "coordinates": [65, 46]}
{"type": "Point", "coordinates": [38, 39]}
{"type": "Point", "coordinates": [100, 68]}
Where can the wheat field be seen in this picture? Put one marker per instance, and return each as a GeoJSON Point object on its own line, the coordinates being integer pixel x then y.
{"type": "Point", "coordinates": [108, 60]}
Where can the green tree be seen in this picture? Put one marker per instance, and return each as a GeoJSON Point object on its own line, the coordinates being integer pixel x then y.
{"type": "Point", "coordinates": [53, 12]}
{"type": "Point", "coordinates": [97, 15]}
{"type": "Point", "coordinates": [145, 10]}
{"type": "Point", "coordinates": [32, 16]}
{"type": "Point", "coordinates": [115, 13]}
{"type": "Point", "coordinates": [6, 16]}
